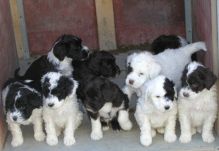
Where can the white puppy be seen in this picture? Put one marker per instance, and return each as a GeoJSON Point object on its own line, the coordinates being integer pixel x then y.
{"type": "Point", "coordinates": [144, 66]}
{"type": "Point", "coordinates": [197, 103]}
{"type": "Point", "coordinates": [157, 110]}
{"type": "Point", "coordinates": [60, 109]}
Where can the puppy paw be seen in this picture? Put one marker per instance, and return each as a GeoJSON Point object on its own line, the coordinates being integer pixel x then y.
{"type": "Point", "coordinates": [17, 142]}
{"type": "Point", "coordinates": [105, 128]}
{"type": "Point", "coordinates": [145, 140]}
{"type": "Point", "coordinates": [96, 135]}
{"type": "Point", "coordinates": [185, 138]}
{"type": "Point", "coordinates": [170, 138]}
{"type": "Point", "coordinates": [68, 141]}
{"type": "Point", "coordinates": [115, 125]}
{"type": "Point", "coordinates": [39, 136]}
{"type": "Point", "coordinates": [208, 138]}
{"type": "Point", "coordinates": [52, 140]}
{"type": "Point", "coordinates": [127, 126]}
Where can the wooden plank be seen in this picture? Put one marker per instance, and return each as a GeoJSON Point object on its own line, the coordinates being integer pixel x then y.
{"type": "Point", "coordinates": [105, 24]}
{"type": "Point", "coordinates": [19, 28]}
{"type": "Point", "coordinates": [188, 19]}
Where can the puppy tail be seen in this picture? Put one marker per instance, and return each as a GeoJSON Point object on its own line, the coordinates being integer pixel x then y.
{"type": "Point", "coordinates": [194, 47]}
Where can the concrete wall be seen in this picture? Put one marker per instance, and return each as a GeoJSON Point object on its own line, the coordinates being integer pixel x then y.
{"type": "Point", "coordinates": [136, 21]}
{"type": "Point", "coordinates": [8, 56]}
{"type": "Point", "coordinates": [202, 28]}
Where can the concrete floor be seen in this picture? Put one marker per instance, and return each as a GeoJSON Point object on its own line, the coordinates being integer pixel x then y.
{"type": "Point", "coordinates": [112, 141]}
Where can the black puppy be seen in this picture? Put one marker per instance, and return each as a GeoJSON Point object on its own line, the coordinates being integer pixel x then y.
{"type": "Point", "coordinates": [104, 101]}
{"type": "Point", "coordinates": [164, 42]}
{"type": "Point", "coordinates": [65, 49]}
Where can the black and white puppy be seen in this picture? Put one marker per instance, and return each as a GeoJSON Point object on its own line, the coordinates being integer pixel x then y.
{"type": "Point", "coordinates": [60, 109]}
{"type": "Point", "coordinates": [65, 49]}
{"type": "Point", "coordinates": [22, 106]}
{"type": "Point", "coordinates": [164, 42]}
{"type": "Point", "coordinates": [104, 101]}
{"type": "Point", "coordinates": [156, 110]}
{"type": "Point", "coordinates": [197, 103]}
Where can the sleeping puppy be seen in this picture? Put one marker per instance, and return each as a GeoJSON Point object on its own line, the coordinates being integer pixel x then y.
{"type": "Point", "coordinates": [156, 110]}
{"type": "Point", "coordinates": [197, 103]}
{"type": "Point", "coordinates": [164, 42]}
{"type": "Point", "coordinates": [60, 109]}
{"type": "Point", "coordinates": [104, 101]}
{"type": "Point", "coordinates": [65, 49]}
{"type": "Point", "coordinates": [22, 106]}
{"type": "Point", "coordinates": [144, 66]}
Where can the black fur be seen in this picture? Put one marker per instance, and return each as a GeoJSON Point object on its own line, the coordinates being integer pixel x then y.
{"type": "Point", "coordinates": [61, 91]}
{"type": "Point", "coordinates": [169, 88]}
{"type": "Point", "coordinates": [199, 79]}
{"type": "Point", "coordinates": [94, 88]}
{"type": "Point", "coordinates": [65, 46]}
{"type": "Point", "coordinates": [165, 41]}
{"type": "Point", "coordinates": [28, 100]}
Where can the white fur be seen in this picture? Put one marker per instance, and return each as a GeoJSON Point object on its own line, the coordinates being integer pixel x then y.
{"type": "Point", "coordinates": [170, 63]}
{"type": "Point", "coordinates": [65, 116]}
{"type": "Point", "coordinates": [14, 127]}
{"type": "Point", "coordinates": [63, 66]}
{"type": "Point", "coordinates": [151, 115]}
{"type": "Point", "coordinates": [182, 41]}
{"type": "Point", "coordinates": [197, 112]}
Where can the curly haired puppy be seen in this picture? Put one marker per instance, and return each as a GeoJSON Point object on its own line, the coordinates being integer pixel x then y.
{"type": "Point", "coordinates": [23, 106]}
{"type": "Point", "coordinates": [104, 101]}
{"type": "Point", "coordinates": [60, 109]}
{"type": "Point", "coordinates": [157, 110]}
{"type": "Point", "coordinates": [197, 103]}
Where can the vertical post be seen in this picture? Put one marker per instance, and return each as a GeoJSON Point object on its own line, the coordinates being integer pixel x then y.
{"type": "Point", "coordinates": [105, 24]}
{"type": "Point", "coordinates": [188, 19]}
{"type": "Point", "coordinates": [18, 20]}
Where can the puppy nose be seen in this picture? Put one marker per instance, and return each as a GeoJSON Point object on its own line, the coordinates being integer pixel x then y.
{"type": "Point", "coordinates": [185, 94]}
{"type": "Point", "coordinates": [15, 118]}
{"type": "Point", "coordinates": [131, 82]}
{"type": "Point", "coordinates": [51, 104]}
{"type": "Point", "coordinates": [167, 107]}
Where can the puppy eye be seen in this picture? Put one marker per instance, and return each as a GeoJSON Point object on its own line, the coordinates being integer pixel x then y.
{"type": "Point", "coordinates": [157, 96]}
{"type": "Point", "coordinates": [141, 74]}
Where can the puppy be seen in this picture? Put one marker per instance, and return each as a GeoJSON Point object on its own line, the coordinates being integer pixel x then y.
{"type": "Point", "coordinates": [164, 42]}
{"type": "Point", "coordinates": [145, 66]}
{"type": "Point", "coordinates": [60, 108]}
{"type": "Point", "coordinates": [22, 106]}
{"type": "Point", "coordinates": [65, 49]}
{"type": "Point", "coordinates": [104, 101]}
{"type": "Point", "coordinates": [197, 103]}
{"type": "Point", "coordinates": [157, 110]}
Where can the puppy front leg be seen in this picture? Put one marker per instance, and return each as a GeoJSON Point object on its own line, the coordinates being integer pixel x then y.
{"type": "Point", "coordinates": [185, 126]}
{"type": "Point", "coordinates": [17, 137]}
{"type": "Point", "coordinates": [124, 120]}
{"type": "Point", "coordinates": [51, 137]}
{"type": "Point", "coordinates": [96, 128]}
{"type": "Point", "coordinates": [207, 130]}
{"type": "Point", "coordinates": [170, 135]}
{"type": "Point", "coordinates": [38, 129]}
{"type": "Point", "coordinates": [69, 138]}
{"type": "Point", "coordinates": [145, 127]}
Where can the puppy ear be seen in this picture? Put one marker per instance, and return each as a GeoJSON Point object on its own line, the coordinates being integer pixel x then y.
{"type": "Point", "coordinates": [60, 51]}
{"type": "Point", "coordinates": [154, 69]}
{"type": "Point", "coordinates": [210, 78]}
